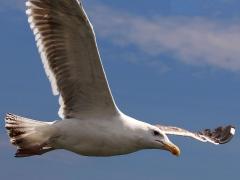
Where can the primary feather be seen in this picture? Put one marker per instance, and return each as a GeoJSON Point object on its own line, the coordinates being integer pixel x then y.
{"type": "Point", "coordinates": [220, 135]}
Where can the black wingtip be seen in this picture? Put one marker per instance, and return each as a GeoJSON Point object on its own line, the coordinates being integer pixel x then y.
{"type": "Point", "coordinates": [220, 135]}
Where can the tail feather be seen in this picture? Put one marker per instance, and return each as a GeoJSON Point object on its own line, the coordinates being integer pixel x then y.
{"type": "Point", "coordinates": [27, 135]}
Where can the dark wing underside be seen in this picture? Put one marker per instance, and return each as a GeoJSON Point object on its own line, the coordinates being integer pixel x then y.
{"type": "Point", "coordinates": [66, 42]}
{"type": "Point", "coordinates": [220, 135]}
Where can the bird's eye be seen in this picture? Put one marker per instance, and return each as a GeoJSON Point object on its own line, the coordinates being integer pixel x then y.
{"type": "Point", "coordinates": [156, 133]}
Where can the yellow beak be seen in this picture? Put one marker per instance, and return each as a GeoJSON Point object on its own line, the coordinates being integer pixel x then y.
{"type": "Point", "coordinates": [172, 148]}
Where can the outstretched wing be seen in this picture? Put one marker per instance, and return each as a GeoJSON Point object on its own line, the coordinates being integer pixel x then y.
{"type": "Point", "coordinates": [67, 44]}
{"type": "Point", "coordinates": [220, 135]}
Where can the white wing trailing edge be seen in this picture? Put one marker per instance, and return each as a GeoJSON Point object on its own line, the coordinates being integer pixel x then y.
{"type": "Point", "coordinates": [220, 135]}
{"type": "Point", "coordinates": [67, 44]}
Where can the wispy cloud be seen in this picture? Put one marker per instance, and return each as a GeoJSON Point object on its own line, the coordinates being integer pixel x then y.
{"type": "Point", "coordinates": [191, 40]}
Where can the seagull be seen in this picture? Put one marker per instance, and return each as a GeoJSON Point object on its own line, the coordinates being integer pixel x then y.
{"type": "Point", "coordinates": [91, 123]}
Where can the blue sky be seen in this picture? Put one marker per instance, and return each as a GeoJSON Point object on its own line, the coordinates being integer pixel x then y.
{"type": "Point", "coordinates": [170, 62]}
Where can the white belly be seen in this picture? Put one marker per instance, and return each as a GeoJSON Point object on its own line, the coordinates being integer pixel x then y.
{"type": "Point", "coordinates": [92, 138]}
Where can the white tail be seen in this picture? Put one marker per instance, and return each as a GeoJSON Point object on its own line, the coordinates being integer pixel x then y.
{"type": "Point", "coordinates": [28, 135]}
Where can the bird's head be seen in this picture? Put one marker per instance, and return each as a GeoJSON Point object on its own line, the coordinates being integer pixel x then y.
{"type": "Point", "coordinates": [158, 140]}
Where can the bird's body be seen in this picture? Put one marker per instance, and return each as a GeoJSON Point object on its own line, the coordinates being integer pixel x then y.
{"type": "Point", "coordinates": [92, 124]}
{"type": "Point", "coordinates": [115, 136]}
{"type": "Point", "coordinates": [105, 136]}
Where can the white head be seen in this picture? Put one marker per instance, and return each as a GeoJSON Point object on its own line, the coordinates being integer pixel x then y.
{"type": "Point", "coordinates": [147, 136]}
{"type": "Point", "coordinates": [154, 138]}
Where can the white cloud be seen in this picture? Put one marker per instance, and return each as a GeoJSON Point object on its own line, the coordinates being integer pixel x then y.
{"type": "Point", "coordinates": [191, 40]}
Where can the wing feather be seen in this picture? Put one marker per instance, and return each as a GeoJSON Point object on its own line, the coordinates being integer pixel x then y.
{"type": "Point", "coordinates": [68, 49]}
{"type": "Point", "coordinates": [220, 135]}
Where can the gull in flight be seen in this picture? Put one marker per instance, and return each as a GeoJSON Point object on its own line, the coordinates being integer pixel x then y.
{"type": "Point", "coordinates": [92, 124]}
